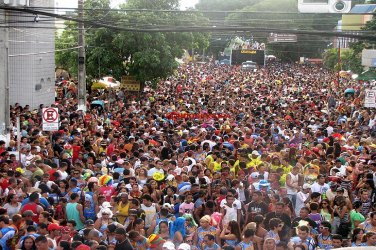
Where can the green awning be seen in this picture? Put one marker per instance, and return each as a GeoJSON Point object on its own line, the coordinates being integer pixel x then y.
{"type": "Point", "coordinates": [367, 75]}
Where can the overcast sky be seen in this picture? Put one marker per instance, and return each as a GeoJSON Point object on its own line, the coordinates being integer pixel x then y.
{"type": "Point", "coordinates": [73, 3]}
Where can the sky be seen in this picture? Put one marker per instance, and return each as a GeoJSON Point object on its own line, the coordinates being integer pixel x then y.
{"type": "Point", "coordinates": [73, 3]}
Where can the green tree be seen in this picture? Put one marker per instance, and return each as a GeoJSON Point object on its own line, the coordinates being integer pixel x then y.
{"type": "Point", "coordinates": [284, 15]}
{"type": "Point", "coordinates": [225, 5]}
{"type": "Point", "coordinates": [330, 58]}
{"type": "Point", "coordinates": [148, 56]}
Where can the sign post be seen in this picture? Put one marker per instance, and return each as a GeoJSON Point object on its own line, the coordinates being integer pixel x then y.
{"type": "Point", "coordinates": [50, 118]}
{"type": "Point", "coordinates": [370, 98]}
{"type": "Point", "coordinates": [282, 38]}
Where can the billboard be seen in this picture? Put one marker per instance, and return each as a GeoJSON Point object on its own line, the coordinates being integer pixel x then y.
{"type": "Point", "coordinates": [242, 55]}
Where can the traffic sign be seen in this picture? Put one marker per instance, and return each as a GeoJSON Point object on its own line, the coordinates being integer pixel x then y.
{"type": "Point", "coordinates": [50, 118]}
{"type": "Point", "coordinates": [50, 126]}
{"type": "Point", "coordinates": [50, 115]}
{"type": "Point", "coordinates": [282, 38]}
{"type": "Point", "coordinates": [370, 98]}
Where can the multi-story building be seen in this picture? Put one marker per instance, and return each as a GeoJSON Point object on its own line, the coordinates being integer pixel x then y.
{"type": "Point", "coordinates": [31, 56]}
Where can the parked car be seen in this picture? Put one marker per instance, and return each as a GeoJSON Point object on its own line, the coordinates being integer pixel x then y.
{"type": "Point", "coordinates": [110, 82]}
{"type": "Point", "coordinates": [249, 66]}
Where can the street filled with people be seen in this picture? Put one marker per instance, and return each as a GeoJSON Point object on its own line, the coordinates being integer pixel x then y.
{"type": "Point", "coordinates": [214, 157]}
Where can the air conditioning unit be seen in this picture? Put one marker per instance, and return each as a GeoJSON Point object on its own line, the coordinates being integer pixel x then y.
{"type": "Point", "coordinates": [324, 6]}
{"type": "Point", "coordinates": [339, 6]}
{"type": "Point", "coordinates": [16, 3]}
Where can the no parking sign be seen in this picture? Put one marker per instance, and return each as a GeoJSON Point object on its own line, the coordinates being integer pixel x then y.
{"type": "Point", "coordinates": [50, 118]}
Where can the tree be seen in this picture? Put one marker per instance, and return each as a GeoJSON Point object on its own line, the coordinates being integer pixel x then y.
{"type": "Point", "coordinates": [307, 45]}
{"type": "Point", "coordinates": [147, 56]}
{"type": "Point", "coordinates": [225, 5]}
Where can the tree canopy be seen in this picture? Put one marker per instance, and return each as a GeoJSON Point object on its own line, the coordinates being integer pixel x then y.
{"type": "Point", "coordinates": [147, 56]}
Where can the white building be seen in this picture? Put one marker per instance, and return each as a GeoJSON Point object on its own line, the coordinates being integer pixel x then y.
{"type": "Point", "coordinates": [31, 57]}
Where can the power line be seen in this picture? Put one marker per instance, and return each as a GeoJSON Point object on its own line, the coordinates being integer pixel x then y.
{"type": "Point", "coordinates": [45, 52]}
{"type": "Point", "coordinates": [194, 11]}
{"type": "Point", "coordinates": [197, 28]}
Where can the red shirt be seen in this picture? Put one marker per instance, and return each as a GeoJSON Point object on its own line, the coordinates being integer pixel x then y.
{"type": "Point", "coordinates": [33, 207]}
{"type": "Point", "coordinates": [107, 192]}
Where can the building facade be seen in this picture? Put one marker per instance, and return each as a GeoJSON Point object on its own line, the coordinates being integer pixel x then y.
{"type": "Point", "coordinates": [31, 56]}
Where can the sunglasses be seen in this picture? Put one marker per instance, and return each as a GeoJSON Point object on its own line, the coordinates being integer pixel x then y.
{"type": "Point", "coordinates": [323, 228]}
{"type": "Point", "coordinates": [105, 214]}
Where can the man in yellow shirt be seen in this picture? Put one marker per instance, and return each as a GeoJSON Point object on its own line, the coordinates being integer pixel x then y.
{"type": "Point", "coordinates": [254, 160]}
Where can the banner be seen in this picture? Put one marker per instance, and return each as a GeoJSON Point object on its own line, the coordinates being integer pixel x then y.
{"type": "Point", "coordinates": [177, 115]}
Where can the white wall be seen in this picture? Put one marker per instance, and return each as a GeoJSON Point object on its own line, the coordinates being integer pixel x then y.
{"type": "Point", "coordinates": [32, 58]}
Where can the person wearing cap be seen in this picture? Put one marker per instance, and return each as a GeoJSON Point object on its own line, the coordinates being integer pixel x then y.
{"type": "Point", "coordinates": [54, 231]}
{"type": "Point", "coordinates": [204, 229]}
{"type": "Point", "coordinates": [302, 198]}
{"type": "Point", "coordinates": [89, 224]}
{"type": "Point", "coordinates": [254, 160]}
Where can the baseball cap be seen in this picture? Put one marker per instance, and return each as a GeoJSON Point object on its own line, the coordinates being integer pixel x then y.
{"type": "Point", "coordinates": [306, 186]}
{"type": "Point", "coordinates": [254, 175]}
{"type": "Point", "coordinates": [28, 213]}
{"type": "Point", "coordinates": [168, 245]}
{"type": "Point", "coordinates": [83, 247]}
{"type": "Point", "coordinates": [168, 205]}
{"type": "Point", "coordinates": [89, 223]}
{"type": "Point", "coordinates": [53, 226]}
{"type": "Point", "coordinates": [255, 152]}
{"type": "Point", "coordinates": [184, 246]}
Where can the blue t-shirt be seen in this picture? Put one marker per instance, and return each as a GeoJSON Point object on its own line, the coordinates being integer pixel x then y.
{"type": "Point", "coordinates": [43, 202]}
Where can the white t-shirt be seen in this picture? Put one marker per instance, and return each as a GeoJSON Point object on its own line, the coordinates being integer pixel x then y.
{"type": "Point", "coordinates": [153, 170]}
{"type": "Point", "coordinates": [63, 175]}
{"type": "Point", "coordinates": [342, 170]}
{"type": "Point", "coordinates": [231, 212]}
{"type": "Point", "coordinates": [319, 188]}
{"type": "Point", "coordinates": [49, 184]}
{"type": "Point", "coordinates": [300, 199]}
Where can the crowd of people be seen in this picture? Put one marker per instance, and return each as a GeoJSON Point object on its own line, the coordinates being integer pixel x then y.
{"type": "Point", "coordinates": [213, 158]}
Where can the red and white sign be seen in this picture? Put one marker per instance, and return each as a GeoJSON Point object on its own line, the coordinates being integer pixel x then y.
{"type": "Point", "coordinates": [50, 118]}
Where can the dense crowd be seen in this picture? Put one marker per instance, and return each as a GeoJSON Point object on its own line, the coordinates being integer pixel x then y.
{"type": "Point", "coordinates": [213, 158]}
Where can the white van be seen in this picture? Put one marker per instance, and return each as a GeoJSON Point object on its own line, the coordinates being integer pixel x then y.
{"type": "Point", "coordinates": [249, 66]}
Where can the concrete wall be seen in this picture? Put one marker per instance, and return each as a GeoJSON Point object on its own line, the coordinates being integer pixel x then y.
{"type": "Point", "coordinates": [32, 57]}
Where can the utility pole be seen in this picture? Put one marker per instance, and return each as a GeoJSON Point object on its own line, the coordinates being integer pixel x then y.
{"type": "Point", "coordinates": [81, 59]}
{"type": "Point", "coordinates": [4, 78]}
{"type": "Point", "coordinates": [339, 60]}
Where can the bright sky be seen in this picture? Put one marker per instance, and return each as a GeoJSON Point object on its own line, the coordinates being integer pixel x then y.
{"type": "Point", "coordinates": [73, 3]}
